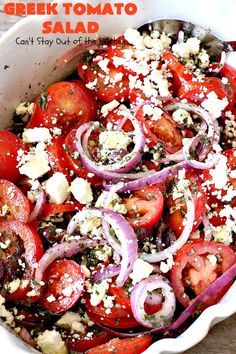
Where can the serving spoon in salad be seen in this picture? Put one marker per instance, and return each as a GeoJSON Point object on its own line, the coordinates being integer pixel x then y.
{"type": "Point", "coordinates": [211, 43]}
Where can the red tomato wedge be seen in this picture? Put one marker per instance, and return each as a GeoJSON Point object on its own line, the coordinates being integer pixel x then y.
{"type": "Point", "coordinates": [10, 144]}
{"type": "Point", "coordinates": [56, 159]}
{"type": "Point", "coordinates": [65, 105]}
{"type": "Point", "coordinates": [145, 207]}
{"type": "Point", "coordinates": [193, 270]}
{"type": "Point", "coordinates": [51, 209]}
{"type": "Point", "coordinates": [107, 86]}
{"type": "Point", "coordinates": [128, 346]}
{"type": "Point", "coordinates": [16, 231]}
{"type": "Point", "coordinates": [84, 343]}
{"type": "Point", "coordinates": [64, 285]}
{"type": "Point", "coordinates": [13, 204]}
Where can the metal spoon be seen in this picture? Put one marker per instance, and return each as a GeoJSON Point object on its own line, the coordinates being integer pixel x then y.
{"type": "Point", "coordinates": [211, 43]}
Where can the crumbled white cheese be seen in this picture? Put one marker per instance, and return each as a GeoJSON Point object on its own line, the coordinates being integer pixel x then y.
{"type": "Point", "coordinates": [157, 76]}
{"type": "Point", "coordinates": [222, 234]}
{"type": "Point", "coordinates": [214, 105]}
{"type": "Point", "coordinates": [13, 285]}
{"type": "Point", "coordinates": [24, 108]}
{"type": "Point", "coordinates": [4, 313]}
{"type": "Point", "coordinates": [81, 190]}
{"type": "Point", "coordinates": [114, 204]}
{"type": "Point", "coordinates": [50, 342]}
{"type": "Point", "coordinates": [106, 108]}
{"type": "Point", "coordinates": [98, 292]}
{"type": "Point", "coordinates": [184, 49]}
{"type": "Point", "coordinates": [36, 135]}
{"type": "Point", "coordinates": [212, 259]}
{"type": "Point", "coordinates": [133, 37]}
{"type": "Point", "coordinates": [57, 188]}
{"type": "Point", "coordinates": [103, 253]}
{"type": "Point", "coordinates": [219, 173]}
{"type": "Point", "coordinates": [103, 65]}
{"type": "Point", "coordinates": [35, 163]}
{"type": "Point", "coordinates": [181, 186]}
{"type": "Point", "coordinates": [141, 270]}
{"type": "Point", "coordinates": [114, 139]}
{"type": "Point", "coordinates": [71, 321]}
{"type": "Point", "coordinates": [183, 117]}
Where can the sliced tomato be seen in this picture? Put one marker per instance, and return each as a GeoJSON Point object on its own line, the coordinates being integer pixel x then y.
{"type": "Point", "coordinates": [16, 232]}
{"type": "Point", "coordinates": [161, 130]}
{"type": "Point", "coordinates": [65, 105]}
{"type": "Point", "coordinates": [51, 209]}
{"type": "Point", "coordinates": [128, 346]}
{"type": "Point", "coordinates": [73, 161]}
{"type": "Point", "coordinates": [115, 117]}
{"type": "Point", "coordinates": [64, 283]}
{"type": "Point", "coordinates": [10, 144]}
{"type": "Point", "coordinates": [107, 86]}
{"type": "Point", "coordinates": [179, 71]}
{"type": "Point", "coordinates": [57, 161]}
{"type": "Point", "coordinates": [193, 271]}
{"type": "Point", "coordinates": [144, 207]}
{"type": "Point", "coordinates": [119, 316]}
{"type": "Point", "coordinates": [196, 91]}
{"type": "Point", "coordinates": [13, 204]}
{"type": "Point", "coordinates": [216, 207]}
{"type": "Point", "coordinates": [230, 73]}
{"type": "Point", "coordinates": [176, 219]}
{"type": "Point", "coordinates": [119, 50]}
{"type": "Point", "coordinates": [84, 343]}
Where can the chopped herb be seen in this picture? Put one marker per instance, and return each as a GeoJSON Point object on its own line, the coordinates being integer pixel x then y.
{"type": "Point", "coordinates": [42, 100]}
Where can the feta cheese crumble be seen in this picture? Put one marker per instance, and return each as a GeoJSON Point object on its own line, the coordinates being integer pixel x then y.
{"type": "Point", "coordinates": [81, 190]}
{"type": "Point", "coordinates": [57, 188]}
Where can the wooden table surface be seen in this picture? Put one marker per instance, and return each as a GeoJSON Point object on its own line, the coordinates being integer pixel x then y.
{"type": "Point", "coordinates": [222, 338]}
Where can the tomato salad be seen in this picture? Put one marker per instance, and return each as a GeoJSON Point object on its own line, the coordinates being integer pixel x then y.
{"type": "Point", "coordinates": [118, 198]}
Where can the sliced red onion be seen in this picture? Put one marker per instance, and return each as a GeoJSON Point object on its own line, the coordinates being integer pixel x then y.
{"type": "Point", "coordinates": [202, 113]}
{"type": "Point", "coordinates": [108, 272]}
{"type": "Point", "coordinates": [194, 163]}
{"type": "Point", "coordinates": [177, 157]}
{"type": "Point", "coordinates": [102, 170]}
{"type": "Point", "coordinates": [39, 205]}
{"type": "Point", "coordinates": [207, 228]}
{"type": "Point", "coordinates": [156, 177]}
{"type": "Point", "coordinates": [188, 225]}
{"type": "Point", "coordinates": [140, 294]}
{"type": "Point", "coordinates": [64, 249]}
{"type": "Point", "coordinates": [124, 232]}
{"type": "Point", "coordinates": [215, 288]}
{"type": "Point", "coordinates": [105, 226]}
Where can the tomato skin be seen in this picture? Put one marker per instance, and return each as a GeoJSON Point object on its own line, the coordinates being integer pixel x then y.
{"type": "Point", "coordinates": [9, 146]}
{"type": "Point", "coordinates": [51, 209]}
{"type": "Point", "coordinates": [230, 73]}
{"type": "Point", "coordinates": [57, 280]}
{"type": "Point", "coordinates": [75, 164]}
{"type": "Point", "coordinates": [56, 159]}
{"type": "Point", "coordinates": [208, 273]}
{"type": "Point", "coordinates": [149, 204]}
{"type": "Point", "coordinates": [162, 130]}
{"type": "Point", "coordinates": [83, 343]}
{"type": "Point", "coordinates": [33, 252]}
{"type": "Point", "coordinates": [118, 317]}
{"type": "Point", "coordinates": [65, 105]}
{"type": "Point", "coordinates": [114, 118]}
{"type": "Point", "coordinates": [128, 346]}
{"type": "Point", "coordinates": [18, 205]}
{"type": "Point", "coordinates": [175, 220]}
{"type": "Point", "coordinates": [111, 91]}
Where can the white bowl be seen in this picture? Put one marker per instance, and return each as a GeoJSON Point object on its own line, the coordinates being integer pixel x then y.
{"type": "Point", "coordinates": [32, 67]}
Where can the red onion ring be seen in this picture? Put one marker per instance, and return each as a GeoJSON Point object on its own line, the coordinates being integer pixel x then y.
{"type": "Point", "coordinates": [141, 292]}
{"type": "Point", "coordinates": [64, 249]}
{"type": "Point", "coordinates": [156, 177]}
{"type": "Point", "coordinates": [108, 272]}
{"type": "Point", "coordinates": [39, 205]}
{"type": "Point", "coordinates": [101, 170]}
{"type": "Point", "coordinates": [207, 228]}
{"type": "Point", "coordinates": [123, 231]}
{"type": "Point", "coordinates": [189, 220]}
